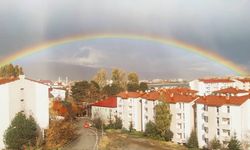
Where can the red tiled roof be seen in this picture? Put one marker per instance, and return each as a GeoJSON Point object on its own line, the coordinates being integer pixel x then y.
{"type": "Point", "coordinates": [216, 80]}
{"type": "Point", "coordinates": [244, 80]}
{"type": "Point", "coordinates": [231, 90]}
{"type": "Point", "coordinates": [125, 95]}
{"type": "Point", "coordinates": [109, 102]}
{"type": "Point", "coordinates": [7, 80]}
{"type": "Point", "coordinates": [154, 95]}
{"type": "Point", "coordinates": [213, 100]}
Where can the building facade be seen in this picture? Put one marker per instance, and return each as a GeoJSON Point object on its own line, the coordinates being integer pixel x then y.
{"type": "Point", "coordinates": [23, 95]}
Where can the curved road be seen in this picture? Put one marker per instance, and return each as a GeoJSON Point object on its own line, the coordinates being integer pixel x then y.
{"type": "Point", "coordinates": [86, 141]}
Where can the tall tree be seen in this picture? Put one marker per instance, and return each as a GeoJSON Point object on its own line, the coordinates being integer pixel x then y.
{"type": "Point", "coordinates": [80, 90]}
{"type": "Point", "coordinates": [119, 78]}
{"type": "Point", "coordinates": [22, 131]}
{"type": "Point", "coordinates": [133, 87]}
{"type": "Point", "coordinates": [101, 78]}
{"type": "Point", "coordinates": [163, 118]}
{"type": "Point", "coordinates": [193, 140]}
{"type": "Point", "coordinates": [111, 90]}
{"type": "Point", "coordinates": [133, 78]}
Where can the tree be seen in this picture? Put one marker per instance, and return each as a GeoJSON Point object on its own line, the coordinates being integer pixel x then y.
{"type": "Point", "coordinates": [131, 127]}
{"type": "Point", "coordinates": [193, 140]}
{"type": "Point", "coordinates": [143, 86]}
{"type": "Point", "coordinates": [59, 133]}
{"type": "Point", "coordinates": [215, 144]}
{"type": "Point", "coordinates": [10, 70]}
{"type": "Point", "coordinates": [132, 87]}
{"type": "Point", "coordinates": [101, 78]}
{"type": "Point", "coordinates": [94, 92]}
{"type": "Point", "coordinates": [162, 118]}
{"type": "Point", "coordinates": [119, 78]}
{"type": "Point", "coordinates": [133, 78]}
{"type": "Point", "coordinates": [22, 131]}
{"type": "Point", "coordinates": [80, 90]}
{"type": "Point", "coordinates": [118, 123]}
{"type": "Point", "coordinates": [111, 90]}
{"type": "Point", "coordinates": [98, 123]}
{"type": "Point", "coordinates": [234, 144]}
{"type": "Point", "coordinates": [151, 130]}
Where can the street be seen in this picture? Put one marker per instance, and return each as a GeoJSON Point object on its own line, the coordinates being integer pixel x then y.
{"type": "Point", "coordinates": [87, 139]}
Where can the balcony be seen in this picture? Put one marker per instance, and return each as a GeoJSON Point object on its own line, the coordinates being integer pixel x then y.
{"type": "Point", "coordinates": [224, 115]}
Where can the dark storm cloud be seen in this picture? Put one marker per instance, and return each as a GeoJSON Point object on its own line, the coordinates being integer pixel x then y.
{"type": "Point", "coordinates": [222, 26]}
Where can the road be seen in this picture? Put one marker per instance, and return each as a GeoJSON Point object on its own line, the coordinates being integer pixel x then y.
{"type": "Point", "coordinates": [86, 141]}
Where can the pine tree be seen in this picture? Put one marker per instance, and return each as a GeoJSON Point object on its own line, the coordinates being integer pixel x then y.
{"type": "Point", "coordinates": [193, 140]}
{"type": "Point", "coordinates": [234, 144]}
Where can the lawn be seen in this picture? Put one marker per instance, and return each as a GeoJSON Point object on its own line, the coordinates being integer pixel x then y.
{"type": "Point", "coordinates": [117, 140]}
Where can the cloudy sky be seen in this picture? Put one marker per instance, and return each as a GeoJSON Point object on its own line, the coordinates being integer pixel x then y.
{"type": "Point", "coordinates": [221, 26]}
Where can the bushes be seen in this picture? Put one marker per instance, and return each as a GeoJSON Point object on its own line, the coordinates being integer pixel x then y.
{"type": "Point", "coordinates": [234, 144]}
{"type": "Point", "coordinates": [22, 131]}
{"type": "Point", "coordinates": [151, 131]}
{"type": "Point", "coordinates": [98, 123]}
{"type": "Point", "coordinates": [59, 134]}
{"type": "Point", "coordinates": [215, 144]}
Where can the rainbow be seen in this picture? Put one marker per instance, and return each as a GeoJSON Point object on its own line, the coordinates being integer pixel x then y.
{"type": "Point", "coordinates": [167, 41]}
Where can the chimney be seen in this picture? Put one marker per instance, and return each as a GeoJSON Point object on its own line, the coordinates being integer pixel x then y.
{"type": "Point", "coordinates": [21, 77]}
{"type": "Point", "coordinates": [172, 95]}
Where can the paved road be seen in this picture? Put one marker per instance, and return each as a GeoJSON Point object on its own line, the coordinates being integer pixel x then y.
{"type": "Point", "coordinates": [86, 141]}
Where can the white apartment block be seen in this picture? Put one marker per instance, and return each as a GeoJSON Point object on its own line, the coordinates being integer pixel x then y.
{"type": "Point", "coordinates": [138, 108]}
{"type": "Point", "coordinates": [222, 117]}
{"type": "Point", "coordinates": [23, 95]}
{"type": "Point", "coordinates": [207, 86]}
{"type": "Point", "coordinates": [105, 109]}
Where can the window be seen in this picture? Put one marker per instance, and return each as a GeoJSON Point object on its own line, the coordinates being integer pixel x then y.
{"type": "Point", "coordinates": [228, 109]}
{"type": "Point", "coordinates": [206, 140]}
{"type": "Point", "coordinates": [146, 109]}
{"type": "Point", "coordinates": [206, 118]}
{"type": "Point", "coordinates": [218, 110]}
{"type": "Point", "coordinates": [218, 121]}
{"type": "Point", "coordinates": [205, 108]}
{"type": "Point", "coordinates": [130, 106]}
{"type": "Point", "coordinates": [22, 100]}
{"type": "Point", "coordinates": [180, 105]}
{"type": "Point", "coordinates": [206, 129]}
{"type": "Point", "coordinates": [146, 102]}
{"type": "Point", "coordinates": [21, 89]}
{"type": "Point", "coordinates": [218, 132]}
{"type": "Point", "coordinates": [146, 117]}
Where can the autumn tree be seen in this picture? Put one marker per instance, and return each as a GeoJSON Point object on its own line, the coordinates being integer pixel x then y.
{"type": "Point", "coordinates": [101, 78]}
{"type": "Point", "coordinates": [119, 78]}
{"type": "Point", "coordinates": [22, 131]}
{"type": "Point", "coordinates": [163, 118]}
{"type": "Point", "coordinates": [10, 70]}
{"type": "Point", "coordinates": [133, 77]}
{"type": "Point", "coordinates": [59, 134]}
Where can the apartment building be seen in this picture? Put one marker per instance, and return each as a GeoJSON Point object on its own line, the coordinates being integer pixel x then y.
{"type": "Point", "coordinates": [23, 95]}
{"type": "Point", "coordinates": [138, 109]}
{"type": "Point", "coordinates": [242, 83]}
{"type": "Point", "coordinates": [222, 117]}
{"type": "Point", "coordinates": [105, 109]}
{"type": "Point", "coordinates": [207, 86]}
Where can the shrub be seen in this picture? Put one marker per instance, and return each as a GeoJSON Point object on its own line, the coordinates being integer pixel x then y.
{"type": "Point", "coordinates": [98, 123]}
{"type": "Point", "coordinates": [59, 134]}
{"type": "Point", "coordinates": [234, 144]}
{"type": "Point", "coordinates": [168, 135]}
{"type": "Point", "coordinates": [215, 144]}
{"type": "Point", "coordinates": [151, 130]}
{"type": "Point", "coordinates": [118, 123]}
{"type": "Point", "coordinates": [22, 131]}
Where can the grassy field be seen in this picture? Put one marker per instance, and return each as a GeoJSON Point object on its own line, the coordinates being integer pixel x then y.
{"type": "Point", "coordinates": [117, 140]}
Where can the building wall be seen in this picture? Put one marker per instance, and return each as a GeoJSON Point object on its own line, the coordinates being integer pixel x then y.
{"type": "Point", "coordinates": [104, 113]}
{"type": "Point", "coordinates": [58, 93]}
{"type": "Point", "coordinates": [4, 111]}
{"type": "Point", "coordinates": [27, 96]}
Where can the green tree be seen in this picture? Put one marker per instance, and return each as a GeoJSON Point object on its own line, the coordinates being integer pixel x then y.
{"type": "Point", "coordinates": [151, 130]}
{"type": "Point", "coordinates": [215, 144]}
{"type": "Point", "coordinates": [94, 92]}
{"type": "Point", "coordinates": [234, 144]}
{"type": "Point", "coordinates": [119, 78]}
{"type": "Point", "coordinates": [143, 86]}
{"type": "Point", "coordinates": [80, 90]}
{"type": "Point", "coordinates": [101, 78]}
{"type": "Point", "coordinates": [22, 131]}
{"type": "Point", "coordinates": [112, 90]}
{"type": "Point", "coordinates": [133, 78]}
{"type": "Point", "coordinates": [193, 140]}
{"type": "Point", "coordinates": [162, 118]}
{"type": "Point", "coordinates": [132, 87]}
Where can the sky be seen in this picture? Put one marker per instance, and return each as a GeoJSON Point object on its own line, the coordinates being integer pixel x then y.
{"type": "Point", "coordinates": [219, 26]}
